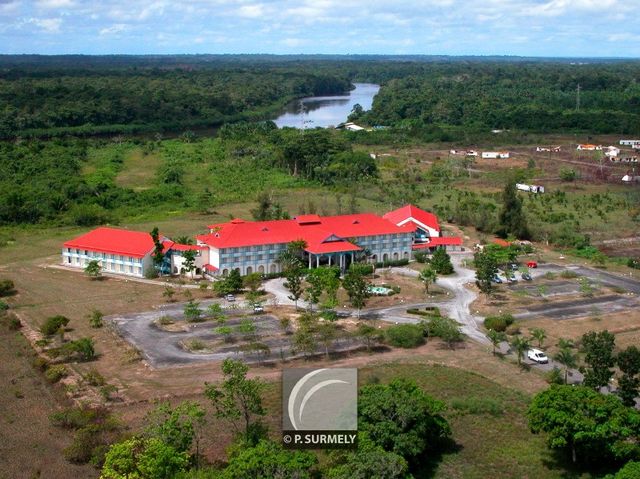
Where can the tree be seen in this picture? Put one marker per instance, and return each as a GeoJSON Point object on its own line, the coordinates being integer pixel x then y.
{"type": "Point", "coordinates": [169, 293]}
{"type": "Point", "coordinates": [95, 318]}
{"type": "Point", "coordinates": [400, 418]}
{"type": "Point", "coordinates": [177, 427]}
{"type": "Point", "coordinates": [428, 276]}
{"type": "Point", "coordinates": [315, 287]}
{"type": "Point", "coordinates": [143, 459]}
{"type": "Point", "coordinates": [512, 219]}
{"type": "Point", "coordinates": [368, 334]}
{"type": "Point", "coordinates": [521, 345]}
{"type": "Point", "coordinates": [53, 324]}
{"type": "Point", "coordinates": [93, 269]}
{"type": "Point", "coordinates": [441, 261]}
{"type": "Point", "coordinates": [237, 399]}
{"type": "Point", "coordinates": [215, 312]}
{"type": "Point", "coordinates": [189, 260]}
{"type": "Point", "coordinates": [357, 287]}
{"type": "Point", "coordinates": [234, 280]}
{"type": "Point", "coordinates": [598, 354]}
{"type": "Point", "coordinates": [628, 361]}
{"type": "Point", "coordinates": [496, 337]}
{"type": "Point", "coordinates": [252, 281]}
{"type": "Point", "coordinates": [590, 426]}
{"type": "Point", "coordinates": [539, 335]}
{"type": "Point", "coordinates": [291, 257]}
{"type": "Point", "coordinates": [327, 332]}
{"type": "Point", "coordinates": [446, 329]}
{"type": "Point", "coordinates": [568, 359]}
{"type": "Point", "coordinates": [158, 249]}
{"type": "Point", "coordinates": [7, 287]}
{"type": "Point", "coordinates": [631, 470]}
{"type": "Point", "coordinates": [266, 460]}
{"type": "Point", "coordinates": [294, 278]}
{"type": "Point", "coordinates": [486, 271]}
{"type": "Point", "coordinates": [368, 461]}
{"type": "Point", "coordinates": [192, 311]}
{"type": "Point", "coordinates": [304, 338]}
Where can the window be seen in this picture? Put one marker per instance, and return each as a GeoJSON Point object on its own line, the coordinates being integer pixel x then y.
{"type": "Point", "coordinates": [68, 250]}
{"type": "Point", "coordinates": [130, 269]}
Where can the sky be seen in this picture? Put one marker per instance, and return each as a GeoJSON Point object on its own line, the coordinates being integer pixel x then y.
{"type": "Point", "coordinates": [556, 28]}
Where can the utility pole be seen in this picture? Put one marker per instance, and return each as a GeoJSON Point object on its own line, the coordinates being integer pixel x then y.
{"type": "Point", "coordinates": [578, 97]}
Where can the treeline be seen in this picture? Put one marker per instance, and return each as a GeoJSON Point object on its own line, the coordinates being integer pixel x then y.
{"type": "Point", "coordinates": [540, 97]}
{"type": "Point", "coordinates": [86, 102]}
{"type": "Point", "coordinates": [76, 181]}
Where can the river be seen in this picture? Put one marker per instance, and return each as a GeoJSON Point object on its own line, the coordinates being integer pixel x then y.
{"type": "Point", "coordinates": [327, 111]}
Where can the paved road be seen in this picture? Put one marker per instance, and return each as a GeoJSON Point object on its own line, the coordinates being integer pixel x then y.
{"type": "Point", "coordinates": [458, 307]}
{"type": "Point", "coordinates": [628, 283]}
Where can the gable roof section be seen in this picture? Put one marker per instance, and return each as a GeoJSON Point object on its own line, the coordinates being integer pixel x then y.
{"type": "Point", "coordinates": [313, 229]}
{"type": "Point", "coordinates": [114, 241]}
{"type": "Point", "coordinates": [411, 213]}
{"type": "Point", "coordinates": [439, 241]}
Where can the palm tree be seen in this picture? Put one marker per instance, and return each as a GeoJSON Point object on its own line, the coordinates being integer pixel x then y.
{"type": "Point", "coordinates": [428, 276]}
{"type": "Point", "coordinates": [565, 343]}
{"type": "Point", "coordinates": [496, 337]}
{"type": "Point", "coordinates": [540, 335]}
{"type": "Point", "coordinates": [521, 345]}
{"type": "Point", "coordinates": [568, 359]}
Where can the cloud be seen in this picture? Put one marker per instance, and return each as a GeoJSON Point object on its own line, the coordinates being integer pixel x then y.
{"type": "Point", "coordinates": [48, 25]}
{"type": "Point", "coordinates": [251, 11]}
{"type": "Point", "coordinates": [54, 4]}
{"type": "Point", "coordinates": [113, 29]}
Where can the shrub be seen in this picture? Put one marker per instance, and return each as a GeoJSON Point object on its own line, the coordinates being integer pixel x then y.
{"type": "Point", "coordinates": [3, 306]}
{"type": "Point", "coordinates": [95, 319]}
{"type": "Point", "coordinates": [94, 378]}
{"type": "Point", "coordinates": [568, 274]}
{"type": "Point", "coordinates": [499, 323]}
{"type": "Point", "coordinates": [40, 363]}
{"type": "Point", "coordinates": [196, 345]}
{"type": "Point", "coordinates": [633, 263]}
{"type": "Point", "coordinates": [446, 329]}
{"type": "Point", "coordinates": [555, 376]}
{"type": "Point", "coordinates": [56, 373]}
{"type": "Point", "coordinates": [386, 264]}
{"type": "Point", "coordinates": [53, 324]}
{"type": "Point", "coordinates": [7, 287]}
{"type": "Point", "coordinates": [83, 348]}
{"type": "Point", "coordinates": [77, 417]}
{"type": "Point", "coordinates": [165, 320]}
{"type": "Point", "coordinates": [405, 336]}
{"type": "Point", "coordinates": [421, 256]}
{"type": "Point", "coordinates": [107, 391]}
{"type": "Point", "coordinates": [12, 321]}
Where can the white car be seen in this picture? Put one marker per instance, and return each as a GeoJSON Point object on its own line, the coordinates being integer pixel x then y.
{"type": "Point", "coordinates": [537, 356]}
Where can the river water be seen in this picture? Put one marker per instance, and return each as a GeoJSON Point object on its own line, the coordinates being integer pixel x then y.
{"type": "Point", "coordinates": [327, 111]}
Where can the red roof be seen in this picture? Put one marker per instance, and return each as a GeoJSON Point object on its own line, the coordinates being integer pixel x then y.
{"type": "Point", "coordinates": [439, 241]}
{"type": "Point", "coordinates": [318, 232]}
{"type": "Point", "coordinates": [409, 212]}
{"type": "Point", "coordinates": [501, 242]}
{"type": "Point", "coordinates": [210, 267]}
{"type": "Point", "coordinates": [114, 241]}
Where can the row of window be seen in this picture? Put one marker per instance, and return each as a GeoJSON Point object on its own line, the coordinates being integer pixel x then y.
{"type": "Point", "coordinates": [104, 256]}
{"type": "Point", "coordinates": [108, 266]}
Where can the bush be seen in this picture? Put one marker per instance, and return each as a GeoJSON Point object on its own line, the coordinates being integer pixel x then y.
{"type": "Point", "coordinates": [83, 348]}
{"type": "Point", "coordinates": [387, 264]}
{"type": "Point", "coordinates": [555, 376]}
{"type": "Point", "coordinates": [405, 336]}
{"type": "Point", "coordinates": [12, 322]}
{"type": "Point", "coordinates": [499, 323]}
{"type": "Point", "coordinates": [568, 274]}
{"type": "Point", "coordinates": [196, 345]}
{"type": "Point", "coordinates": [421, 256]}
{"type": "Point", "coordinates": [56, 373]}
{"type": "Point", "coordinates": [40, 363]}
{"type": "Point", "coordinates": [7, 288]}
{"type": "Point", "coordinates": [428, 311]}
{"type": "Point", "coordinates": [3, 306]}
{"type": "Point", "coordinates": [446, 329]}
{"type": "Point", "coordinates": [633, 263]}
{"type": "Point", "coordinates": [95, 319]}
{"type": "Point", "coordinates": [94, 378]}
{"type": "Point", "coordinates": [165, 320]}
{"type": "Point", "coordinates": [53, 324]}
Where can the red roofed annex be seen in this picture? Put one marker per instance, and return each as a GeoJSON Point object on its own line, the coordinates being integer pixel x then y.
{"type": "Point", "coordinates": [255, 246]}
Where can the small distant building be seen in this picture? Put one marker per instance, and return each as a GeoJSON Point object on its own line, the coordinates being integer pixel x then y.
{"type": "Point", "coordinates": [612, 151]}
{"type": "Point", "coordinates": [458, 152]}
{"type": "Point", "coordinates": [472, 153]}
{"type": "Point", "coordinates": [552, 149]}
{"type": "Point", "coordinates": [630, 178]}
{"type": "Point", "coordinates": [588, 147]}
{"type": "Point", "coordinates": [349, 126]}
{"type": "Point", "coordinates": [495, 154]}
{"type": "Point", "coordinates": [530, 188]}
{"type": "Point", "coordinates": [632, 143]}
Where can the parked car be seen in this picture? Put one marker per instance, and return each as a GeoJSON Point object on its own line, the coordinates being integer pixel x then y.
{"type": "Point", "coordinates": [257, 309]}
{"type": "Point", "coordinates": [512, 279]}
{"type": "Point", "coordinates": [230, 297]}
{"type": "Point", "coordinates": [514, 266]}
{"type": "Point", "coordinates": [537, 356]}
{"type": "Point", "coordinates": [497, 279]}
{"type": "Point", "coordinates": [526, 276]}
{"type": "Point", "coordinates": [532, 264]}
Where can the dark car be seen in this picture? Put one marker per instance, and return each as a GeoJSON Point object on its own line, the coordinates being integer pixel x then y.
{"type": "Point", "coordinates": [526, 276]}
